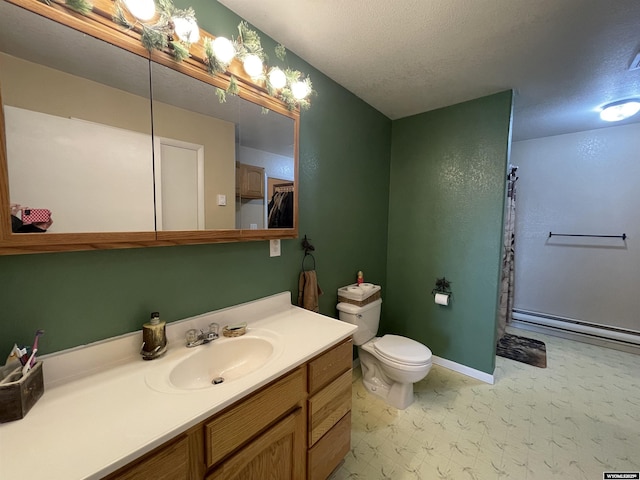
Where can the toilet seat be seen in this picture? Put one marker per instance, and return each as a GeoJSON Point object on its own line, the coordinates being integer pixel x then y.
{"type": "Point", "coordinates": [402, 350]}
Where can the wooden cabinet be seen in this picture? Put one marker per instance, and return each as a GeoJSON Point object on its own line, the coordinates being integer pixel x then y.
{"type": "Point", "coordinates": [249, 181]}
{"type": "Point", "coordinates": [296, 427]}
{"type": "Point", "coordinates": [329, 410]}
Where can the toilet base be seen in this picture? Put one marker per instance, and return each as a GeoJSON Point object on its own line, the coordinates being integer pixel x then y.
{"type": "Point", "coordinates": [374, 379]}
{"type": "Point", "coordinates": [398, 395]}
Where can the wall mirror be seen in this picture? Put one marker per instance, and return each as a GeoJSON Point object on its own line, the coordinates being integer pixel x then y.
{"type": "Point", "coordinates": [77, 132]}
{"type": "Point", "coordinates": [218, 166]}
{"type": "Point", "coordinates": [126, 152]}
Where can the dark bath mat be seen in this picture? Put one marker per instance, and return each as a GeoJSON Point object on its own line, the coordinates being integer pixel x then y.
{"type": "Point", "coordinates": [522, 349]}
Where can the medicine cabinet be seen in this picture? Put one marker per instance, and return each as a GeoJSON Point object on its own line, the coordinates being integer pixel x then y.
{"type": "Point", "coordinates": [128, 148]}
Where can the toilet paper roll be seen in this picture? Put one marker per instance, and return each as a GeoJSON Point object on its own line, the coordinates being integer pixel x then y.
{"type": "Point", "coordinates": [442, 299]}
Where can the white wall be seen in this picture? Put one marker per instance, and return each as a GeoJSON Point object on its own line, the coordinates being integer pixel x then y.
{"type": "Point", "coordinates": [277, 166]}
{"type": "Point", "coordinates": [582, 183]}
{"type": "Point", "coordinates": [93, 177]}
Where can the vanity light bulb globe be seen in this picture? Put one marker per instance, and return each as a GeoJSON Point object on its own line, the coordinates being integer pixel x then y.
{"type": "Point", "coordinates": [223, 49]}
{"type": "Point", "coordinates": [186, 29]}
{"type": "Point", "coordinates": [300, 90]}
{"type": "Point", "coordinates": [252, 65]}
{"type": "Point", "coordinates": [141, 9]}
{"type": "Point", "coordinates": [277, 78]}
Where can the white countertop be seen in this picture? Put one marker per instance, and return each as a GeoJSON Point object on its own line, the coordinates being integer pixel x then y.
{"type": "Point", "coordinates": [98, 411]}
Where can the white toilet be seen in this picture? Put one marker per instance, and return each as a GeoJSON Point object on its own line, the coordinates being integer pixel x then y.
{"type": "Point", "coordinates": [391, 364]}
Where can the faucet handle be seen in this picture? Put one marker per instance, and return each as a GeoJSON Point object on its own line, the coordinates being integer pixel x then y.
{"type": "Point", "coordinates": [192, 337]}
{"type": "Point", "coordinates": [213, 332]}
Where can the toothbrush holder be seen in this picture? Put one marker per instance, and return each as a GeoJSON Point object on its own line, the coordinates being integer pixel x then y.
{"type": "Point", "coordinates": [17, 397]}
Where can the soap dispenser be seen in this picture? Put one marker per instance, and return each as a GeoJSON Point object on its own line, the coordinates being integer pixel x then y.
{"type": "Point", "coordinates": [154, 338]}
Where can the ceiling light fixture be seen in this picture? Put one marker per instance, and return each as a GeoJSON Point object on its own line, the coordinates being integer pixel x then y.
{"type": "Point", "coordinates": [141, 9]}
{"type": "Point", "coordinates": [616, 111]}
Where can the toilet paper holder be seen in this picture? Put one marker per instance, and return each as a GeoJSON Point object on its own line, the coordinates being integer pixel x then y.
{"type": "Point", "coordinates": [442, 286]}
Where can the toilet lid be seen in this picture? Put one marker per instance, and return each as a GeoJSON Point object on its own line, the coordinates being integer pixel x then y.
{"type": "Point", "coordinates": [403, 350]}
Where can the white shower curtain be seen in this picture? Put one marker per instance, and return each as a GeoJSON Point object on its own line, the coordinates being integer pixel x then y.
{"type": "Point", "coordinates": [508, 256]}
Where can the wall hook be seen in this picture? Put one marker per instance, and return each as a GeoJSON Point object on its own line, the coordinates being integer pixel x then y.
{"type": "Point", "coordinates": [306, 245]}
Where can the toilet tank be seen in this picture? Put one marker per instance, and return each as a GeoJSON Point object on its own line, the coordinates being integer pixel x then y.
{"type": "Point", "coordinates": [367, 318]}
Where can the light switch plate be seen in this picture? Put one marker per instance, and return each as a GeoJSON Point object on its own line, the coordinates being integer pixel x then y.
{"type": "Point", "coordinates": [274, 248]}
{"type": "Point", "coordinates": [222, 200]}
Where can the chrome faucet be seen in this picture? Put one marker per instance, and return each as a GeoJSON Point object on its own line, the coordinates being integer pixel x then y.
{"type": "Point", "coordinates": [199, 337]}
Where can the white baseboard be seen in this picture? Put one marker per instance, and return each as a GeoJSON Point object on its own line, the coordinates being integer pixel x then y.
{"type": "Point", "coordinates": [618, 339]}
{"type": "Point", "coordinates": [463, 369]}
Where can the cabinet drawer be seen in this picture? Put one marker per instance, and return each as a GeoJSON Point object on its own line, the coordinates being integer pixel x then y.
{"type": "Point", "coordinates": [327, 454]}
{"type": "Point", "coordinates": [166, 463]}
{"type": "Point", "coordinates": [328, 406]}
{"type": "Point", "coordinates": [236, 426]}
{"type": "Point", "coordinates": [330, 365]}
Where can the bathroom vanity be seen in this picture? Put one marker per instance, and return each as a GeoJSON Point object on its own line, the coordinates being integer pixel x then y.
{"type": "Point", "coordinates": [264, 435]}
{"type": "Point", "coordinates": [288, 418]}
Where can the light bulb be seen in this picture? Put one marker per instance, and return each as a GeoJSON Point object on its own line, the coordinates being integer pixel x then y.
{"type": "Point", "coordinates": [186, 29]}
{"type": "Point", "coordinates": [277, 78]}
{"type": "Point", "coordinates": [300, 90]}
{"type": "Point", "coordinates": [253, 65]}
{"type": "Point", "coordinates": [616, 111]}
{"type": "Point", "coordinates": [141, 9]}
{"type": "Point", "coordinates": [223, 49]}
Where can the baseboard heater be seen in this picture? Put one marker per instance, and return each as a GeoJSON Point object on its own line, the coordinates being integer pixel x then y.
{"type": "Point", "coordinates": [566, 327]}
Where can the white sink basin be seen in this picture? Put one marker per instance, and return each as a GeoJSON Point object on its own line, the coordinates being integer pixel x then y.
{"type": "Point", "coordinates": [222, 362]}
{"type": "Point", "coordinates": [215, 364]}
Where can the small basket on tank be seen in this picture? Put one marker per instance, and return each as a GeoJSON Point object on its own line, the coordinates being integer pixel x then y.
{"type": "Point", "coordinates": [359, 295]}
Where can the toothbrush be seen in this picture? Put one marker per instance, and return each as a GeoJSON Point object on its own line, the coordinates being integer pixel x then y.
{"type": "Point", "coordinates": [32, 359]}
{"type": "Point", "coordinates": [29, 363]}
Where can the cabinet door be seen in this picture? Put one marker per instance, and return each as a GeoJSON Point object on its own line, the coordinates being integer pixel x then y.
{"type": "Point", "coordinates": [254, 182]}
{"type": "Point", "coordinates": [277, 454]}
{"type": "Point", "coordinates": [249, 181]}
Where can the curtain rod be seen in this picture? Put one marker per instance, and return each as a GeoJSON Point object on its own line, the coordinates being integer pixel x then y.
{"type": "Point", "coordinates": [623, 236]}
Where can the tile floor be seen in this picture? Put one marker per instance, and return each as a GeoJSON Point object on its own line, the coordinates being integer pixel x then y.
{"type": "Point", "coordinates": [575, 419]}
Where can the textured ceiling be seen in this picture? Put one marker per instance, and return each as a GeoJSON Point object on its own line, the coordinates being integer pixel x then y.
{"type": "Point", "coordinates": [563, 58]}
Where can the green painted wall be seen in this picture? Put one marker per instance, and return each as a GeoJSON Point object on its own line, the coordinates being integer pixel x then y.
{"type": "Point", "coordinates": [441, 216]}
{"type": "Point", "coordinates": [447, 194]}
{"type": "Point", "coordinates": [82, 297]}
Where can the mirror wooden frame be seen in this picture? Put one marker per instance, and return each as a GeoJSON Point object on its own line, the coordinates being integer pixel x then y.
{"type": "Point", "coordinates": [99, 24]}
